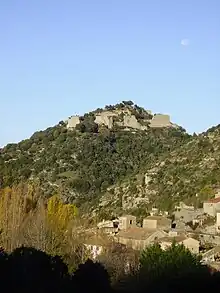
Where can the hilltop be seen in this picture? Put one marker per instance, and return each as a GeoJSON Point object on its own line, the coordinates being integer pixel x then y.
{"type": "Point", "coordinates": [116, 159]}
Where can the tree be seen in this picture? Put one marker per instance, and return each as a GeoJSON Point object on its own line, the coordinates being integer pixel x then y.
{"type": "Point", "coordinates": [128, 103]}
{"type": "Point", "coordinates": [60, 215]}
{"type": "Point", "coordinates": [92, 277]}
{"type": "Point", "coordinates": [175, 266]}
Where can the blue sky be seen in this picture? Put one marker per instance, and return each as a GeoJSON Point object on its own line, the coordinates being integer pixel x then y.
{"type": "Point", "coordinates": [58, 58]}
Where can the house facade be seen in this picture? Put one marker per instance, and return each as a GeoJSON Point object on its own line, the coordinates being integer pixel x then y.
{"type": "Point", "coordinates": [126, 222]}
{"type": "Point", "coordinates": [157, 222]}
{"type": "Point", "coordinates": [212, 206]}
{"type": "Point", "coordinates": [190, 243]}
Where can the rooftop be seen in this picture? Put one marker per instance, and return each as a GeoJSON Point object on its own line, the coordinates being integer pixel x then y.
{"type": "Point", "coordinates": [136, 233]}
{"type": "Point", "coordinates": [170, 239]}
{"type": "Point", "coordinates": [212, 251]}
{"type": "Point", "coordinates": [97, 240]}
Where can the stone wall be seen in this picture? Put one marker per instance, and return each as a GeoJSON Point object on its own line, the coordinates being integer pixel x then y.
{"type": "Point", "coordinates": [72, 122]}
{"type": "Point", "coordinates": [211, 208]}
{"type": "Point", "coordinates": [149, 224]}
{"type": "Point", "coordinates": [126, 222]}
{"type": "Point", "coordinates": [160, 120]}
{"type": "Point", "coordinates": [129, 121]}
{"type": "Point", "coordinates": [105, 118]}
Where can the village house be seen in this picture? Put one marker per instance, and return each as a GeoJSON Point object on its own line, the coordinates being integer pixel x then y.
{"type": "Point", "coordinates": [108, 227]}
{"type": "Point", "coordinates": [212, 255]}
{"type": "Point", "coordinates": [126, 222]}
{"type": "Point", "coordinates": [212, 206]}
{"type": "Point", "coordinates": [190, 243]}
{"type": "Point", "coordinates": [186, 215]}
{"type": "Point", "coordinates": [157, 222]}
{"type": "Point", "coordinates": [138, 238]}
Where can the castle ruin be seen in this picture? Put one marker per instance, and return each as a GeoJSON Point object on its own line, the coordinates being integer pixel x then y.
{"type": "Point", "coordinates": [160, 120]}
{"type": "Point", "coordinates": [72, 122]}
{"type": "Point", "coordinates": [129, 121]}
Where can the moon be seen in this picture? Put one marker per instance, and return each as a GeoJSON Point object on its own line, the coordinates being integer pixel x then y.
{"type": "Point", "coordinates": [185, 42]}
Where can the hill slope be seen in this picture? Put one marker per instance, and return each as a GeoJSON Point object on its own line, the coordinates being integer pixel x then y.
{"type": "Point", "coordinates": [124, 166]}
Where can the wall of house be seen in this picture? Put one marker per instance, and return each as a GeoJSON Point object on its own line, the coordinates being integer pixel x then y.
{"type": "Point", "coordinates": [137, 244]}
{"type": "Point", "coordinates": [127, 222]}
{"type": "Point", "coordinates": [125, 241]}
{"type": "Point", "coordinates": [192, 245]}
{"type": "Point", "coordinates": [217, 207]}
{"type": "Point", "coordinates": [154, 237]}
{"type": "Point", "coordinates": [149, 224]}
{"type": "Point", "coordinates": [209, 209]}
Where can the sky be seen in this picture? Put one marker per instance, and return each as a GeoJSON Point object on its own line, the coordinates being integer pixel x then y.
{"type": "Point", "coordinates": [60, 58]}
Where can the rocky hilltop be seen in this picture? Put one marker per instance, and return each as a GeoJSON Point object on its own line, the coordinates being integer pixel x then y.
{"type": "Point", "coordinates": [96, 164]}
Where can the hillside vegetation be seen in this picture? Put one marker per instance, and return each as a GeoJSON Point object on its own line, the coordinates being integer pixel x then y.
{"type": "Point", "coordinates": [90, 164]}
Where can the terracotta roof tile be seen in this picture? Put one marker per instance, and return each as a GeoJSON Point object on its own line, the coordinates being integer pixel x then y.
{"type": "Point", "coordinates": [213, 200]}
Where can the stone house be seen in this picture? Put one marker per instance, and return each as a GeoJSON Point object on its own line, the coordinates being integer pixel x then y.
{"type": "Point", "coordinates": [108, 227]}
{"type": "Point", "coordinates": [155, 222]}
{"type": "Point", "coordinates": [190, 243]}
{"type": "Point", "coordinates": [212, 206]}
{"type": "Point", "coordinates": [126, 222]}
{"type": "Point", "coordinates": [138, 238]}
{"type": "Point", "coordinates": [211, 255]}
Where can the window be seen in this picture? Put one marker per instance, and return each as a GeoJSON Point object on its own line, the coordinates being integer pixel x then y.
{"type": "Point", "coordinates": [130, 222]}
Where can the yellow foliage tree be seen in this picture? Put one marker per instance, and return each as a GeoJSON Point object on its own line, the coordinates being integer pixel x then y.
{"type": "Point", "coordinates": [60, 215]}
{"type": "Point", "coordinates": [13, 213]}
{"type": "Point", "coordinates": [53, 227]}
